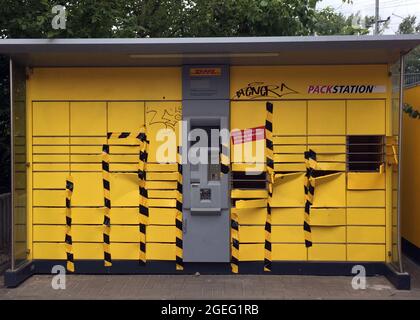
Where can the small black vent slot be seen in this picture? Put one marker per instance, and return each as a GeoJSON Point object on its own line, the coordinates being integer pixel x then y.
{"type": "Point", "coordinates": [248, 180]}
{"type": "Point", "coordinates": [365, 153]}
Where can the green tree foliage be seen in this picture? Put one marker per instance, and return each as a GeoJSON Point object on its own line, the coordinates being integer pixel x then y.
{"type": "Point", "coordinates": [409, 25]}
{"type": "Point", "coordinates": [330, 22]}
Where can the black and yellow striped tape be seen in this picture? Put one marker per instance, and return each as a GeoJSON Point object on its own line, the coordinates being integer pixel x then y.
{"type": "Point", "coordinates": [121, 135]}
{"type": "Point", "coordinates": [179, 217]}
{"type": "Point", "coordinates": [107, 205]}
{"type": "Point", "coordinates": [224, 157]}
{"type": "Point", "coordinates": [234, 234]}
{"type": "Point", "coordinates": [69, 239]}
{"type": "Point", "coordinates": [143, 200]}
{"type": "Point", "coordinates": [270, 182]}
{"type": "Point", "coordinates": [310, 163]}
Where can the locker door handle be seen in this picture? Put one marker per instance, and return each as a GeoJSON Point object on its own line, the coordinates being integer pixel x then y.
{"type": "Point", "coordinates": [184, 226]}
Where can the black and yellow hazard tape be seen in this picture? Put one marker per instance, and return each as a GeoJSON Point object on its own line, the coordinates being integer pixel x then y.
{"type": "Point", "coordinates": [234, 234]}
{"type": "Point", "coordinates": [178, 219]}
{"type": "Point", "coordinates": [107, 205]}
{"type": "Point", "coordinates": [143, 195]}
{"type": "Point", "coordinates": [121, 135]}
{"type": "Point", "coordinates": [270, 181]}
{"type": "Point", "coordinates": [69, 239]}
{"type": "Point", "coordinates": [224, 157]}
{"type": "Point", "coordinates": [310, 163]}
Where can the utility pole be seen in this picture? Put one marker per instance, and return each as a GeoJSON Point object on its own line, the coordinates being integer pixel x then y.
{"type": "Point", "coordinates": [376, 17]}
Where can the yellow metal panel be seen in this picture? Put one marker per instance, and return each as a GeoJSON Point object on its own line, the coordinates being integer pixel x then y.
{"type": "Point", "coordinates": [54, 198]}
{"type": "Point", "coordinates": [249, 167]}
{"type": "Point", "coordinates": [49, 140]}
{"type": "Point", "coordinates": [365, 216]}
{"type": "Point", "coordinates": [50, 118]}
{"type": "Point", "coordinates": [287, 234]}
{"type": "Point", "coordinates": [327, 252]}
{"type": "Point", "coordinates": [328, 217]}
{"type": "Point", "coordinates": [89, 251]}
{"type": "Point", "coordinates": [330, 191]}
{"type": "Point", "coordinates": [289, 167]}
{"type": "Point", "coordinates": [365, 180]}
{"type": "Point", "coordinates": [296, 140]}
{"type": "Point", "coordinates": [160, 185]}
{"type": "Point", "coordinates": [123, 167]}
{"type": "Point", "coordinates": [365, 252]}
{"type": "Point", "coordinates": [57, 233]}
{"type": "Point", "coordinates": [326, 140]}
{"type": "Point", "coordinates": [288, 157]}
{"type": "Point", "coordinates": [289, 251]}
{"type": "Point", "coordinates": [88, 189]}
{"type": "Point", "coordinates": [128, 83]}
{"type": "Point", "coordinates": [126, 149]}
{"type": "Point", "coordinates": [125, 116]}
{"type": "Point", "coordinates": [289, 149]}
{"type": "Point", "coordinates": [162, 203]}
{"type": "Point", "coordinates": [331, 166]}
{"type": "Point", "coordinates": [88, 140]}
{"type": "Point", "coordinates": [161, 167]}
{"type": "Point", "coordinates": [166, 176]}
{"type": "Point", "coordinates": [162, 116]}
{"type": "Point", "coordinates": [251, 234]}
{"type": "Point", "coordinates": [86, 149]}
{"type": "Point", "coordinates": [366, 117]}
{"type": "Point", "coordinates": [49, 180]}
{"type": "Point", "coordinates": [162, 194]}
{"type": "Point", "coordinates": [124, 158]}
{"type": "Point", "coordinates": [248, 194]}
{"type": "Point", "coordinates": [49, 216]}
{"type": "Point", "coordinates": [160, 233]}
{"type": "Point", "coordinates": [124, 189]}
{"type": "Point", "coordinates": [165, 216]}
{"type": "Point", "coordinates": [366, 234]}
{"type": "Point", "coordinates": [287, 216]}
{"type": "Point", "coordinates": [326, 117]}
{"type": "Point", "coordinates": [289, 118]}
{"type": "Point", "coordinates": [371, 198]}
{"type": "Point", "coordinates": [331, 148]}
{"type": "Point", "coordinates": [160, 251]}
{"type": "Point", "coordinates": [50, 250]}
{"type": "Point", "coordinates": [288, 192]}
{"type": "Point", "coordinates": [328, 234]}
{"type": "Point", "coordinates": [86, 166]}
{"type": "Point", "coordinates": [86, 158]}
{"type": "Point", "coordinates": [251, 252]}
{"type": "Point", "coordinates": [50, 149]}
{"type": "Point", "coordinates": [331, 157]}
{"type": "Point", "coordinates": [81, 117]}
{"type": "Point", "coordinates": [47, 158]}
{"type": "Point", "coordinates": [255, 216]}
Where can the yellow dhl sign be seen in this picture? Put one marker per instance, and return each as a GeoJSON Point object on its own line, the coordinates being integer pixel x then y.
{"type": "Point", "coordinates": [205, 72]}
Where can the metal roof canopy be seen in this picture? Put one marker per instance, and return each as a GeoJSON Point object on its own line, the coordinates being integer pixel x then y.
{"type": "Point", "coordinates": [311, 50]}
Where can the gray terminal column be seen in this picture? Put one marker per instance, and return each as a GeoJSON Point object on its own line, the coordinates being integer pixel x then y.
{"type": "Point", "coordinates": [206, 190]}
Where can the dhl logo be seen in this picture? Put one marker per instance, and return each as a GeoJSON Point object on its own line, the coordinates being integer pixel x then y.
{"type": "Point", "coordinates": [205, 72]}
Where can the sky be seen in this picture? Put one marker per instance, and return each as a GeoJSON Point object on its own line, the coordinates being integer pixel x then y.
{"type": "Point", "coordinates": [393, 8]}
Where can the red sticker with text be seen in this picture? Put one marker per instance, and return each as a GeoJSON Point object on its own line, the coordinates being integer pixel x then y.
{"type": "Point", "coordinates": [247, 135]}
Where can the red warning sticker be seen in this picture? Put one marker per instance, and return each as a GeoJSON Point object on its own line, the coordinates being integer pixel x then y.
{"type": "Point", "coordinates": [247, 135]}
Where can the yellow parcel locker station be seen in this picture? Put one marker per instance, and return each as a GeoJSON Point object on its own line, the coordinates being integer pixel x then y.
{"type": "Point", "coordinates": [274, 155]}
